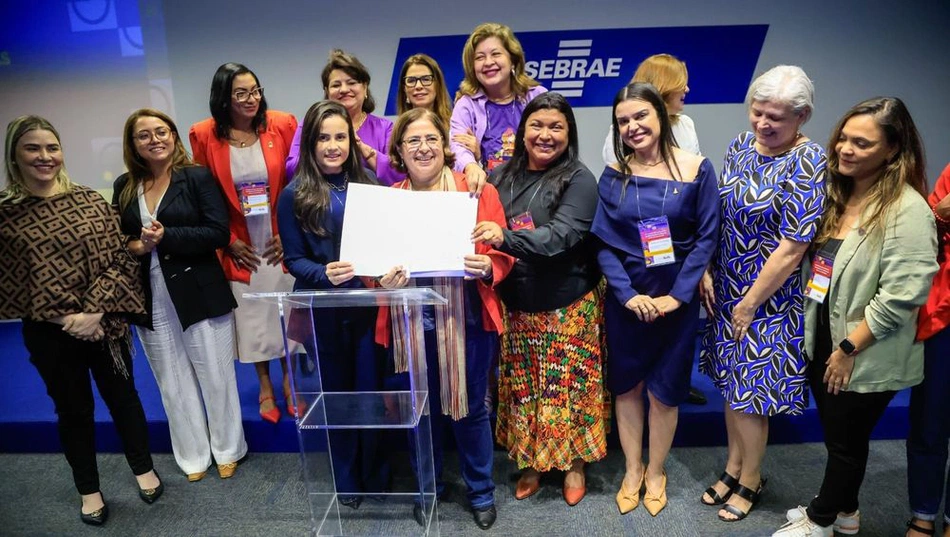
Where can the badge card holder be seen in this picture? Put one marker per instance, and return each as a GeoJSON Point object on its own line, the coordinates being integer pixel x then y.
{"type": "Point", "coordinates": [521, 221]}
{"type": "Point", "coordinates": [254, 198]}
{"type": "Point", "coordinates": [657, 241]}
{"type": "Point", "coordinates": [820, 280]}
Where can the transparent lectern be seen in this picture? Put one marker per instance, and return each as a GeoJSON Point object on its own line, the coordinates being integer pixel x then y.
{"type": "Point", "coordinates": [409, 511]}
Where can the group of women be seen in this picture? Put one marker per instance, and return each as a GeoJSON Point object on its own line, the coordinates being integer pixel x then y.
{"type": "Point", "coordinates": [812, 264]}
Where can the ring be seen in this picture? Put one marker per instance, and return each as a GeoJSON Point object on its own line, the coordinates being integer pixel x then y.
{"type": "Point", "coordinates": [484, 272]}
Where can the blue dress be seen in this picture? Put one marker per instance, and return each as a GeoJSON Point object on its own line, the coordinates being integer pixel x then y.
{"type": "Point", "coordinates": [658, 353]}
{"type": "Point", "coordinates": [763, 200]}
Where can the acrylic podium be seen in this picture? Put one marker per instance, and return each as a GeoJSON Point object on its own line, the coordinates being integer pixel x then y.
{"type": "Point", "coordinates": [404, 415]}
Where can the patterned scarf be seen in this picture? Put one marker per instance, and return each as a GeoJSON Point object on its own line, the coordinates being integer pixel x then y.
{"type": "Point", "coordinates": [450, 330]}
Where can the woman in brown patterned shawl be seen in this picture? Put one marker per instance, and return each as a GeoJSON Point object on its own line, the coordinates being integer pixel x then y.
{"type": "Point", "coordinates": [65, 271]}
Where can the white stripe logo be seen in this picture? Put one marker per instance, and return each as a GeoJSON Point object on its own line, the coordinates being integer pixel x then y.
{"type": "Point", "coordinates": [572, 67]}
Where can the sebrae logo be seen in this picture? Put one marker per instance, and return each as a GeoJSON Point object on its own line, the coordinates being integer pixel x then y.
{"type": "Point", "coordinates": [590, 66]}
{"type": "Point", "coordinates": [572, 67]}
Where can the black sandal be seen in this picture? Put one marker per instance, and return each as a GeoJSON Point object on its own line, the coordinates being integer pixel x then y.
{"type": "Point", "coordinates": [747, 494]}
{"type": "Point", "coordinates": [726, 480]}
{"type": "Point", "coordinates": [911, 525]}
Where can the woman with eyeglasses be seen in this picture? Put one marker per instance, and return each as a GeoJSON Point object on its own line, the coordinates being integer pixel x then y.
{"type": "Point", "coordinates": [423, 86]}
{"type": "Point", "coordinates": [473, 316]}
{"type": "Point", "coordinates": [490, 100]}
{"type": "Point", "coordinates": [69, 277]}
{"type": "Point", "coordinates": [310, 215]}
{"type": "Point", "coordinates": [244, 145]}
{"type": "Point", "coordinates": [346, 81]}
{"type": "Point", "coordinates": [175, 218]}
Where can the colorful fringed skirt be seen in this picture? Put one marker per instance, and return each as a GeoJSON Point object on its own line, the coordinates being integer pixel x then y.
{"type": "Point", "coordinates": [551, 395]}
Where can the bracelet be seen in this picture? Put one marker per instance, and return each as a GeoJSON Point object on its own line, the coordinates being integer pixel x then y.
{"type": "Point", "coordinates": [938, 218]}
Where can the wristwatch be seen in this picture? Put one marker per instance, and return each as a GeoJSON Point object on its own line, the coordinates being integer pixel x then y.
{"type": "Point", "coordinates": [847, 347]}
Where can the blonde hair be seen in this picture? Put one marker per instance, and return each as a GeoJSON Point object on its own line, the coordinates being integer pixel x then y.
{"type": "Point", "coordinates": [520, 81]}
{"type": "Point", "coordinates": [441, 105]}
{"type": "Point", "coordinates": [666, 72]}
{"type": "Point", "coordinates": [16, 190]}
{"type": "Point", "coordinates": [139, 170]}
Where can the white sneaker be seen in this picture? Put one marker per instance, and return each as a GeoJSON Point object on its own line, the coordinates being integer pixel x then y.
{"type": "Point", "coordinates": [845, 524]}
{"type": "Point", "coordinates": [803, 527]}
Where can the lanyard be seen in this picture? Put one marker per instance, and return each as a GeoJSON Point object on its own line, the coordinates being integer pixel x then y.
{"type": "Point", "coordinates": [511, 194]}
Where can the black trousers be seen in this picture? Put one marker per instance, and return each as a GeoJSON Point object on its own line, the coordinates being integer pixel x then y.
{"type": "Point", "coordinates": [848, 420]}
{"type": "Point", "coordinates": [64, 363]}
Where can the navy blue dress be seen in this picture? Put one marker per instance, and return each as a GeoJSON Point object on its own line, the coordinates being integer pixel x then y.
{"type": "Point", "coordinates": [659, 353]}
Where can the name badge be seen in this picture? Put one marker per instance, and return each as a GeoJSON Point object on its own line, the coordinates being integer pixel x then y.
{"type": "Point", "coordinates": [820, 280]}
{"type": "Point", "coordinates": [521, 221]}
{"type": "Point", "coordinates": [254, 198]}
{"type": "Point", "coordinates": [657, 242]}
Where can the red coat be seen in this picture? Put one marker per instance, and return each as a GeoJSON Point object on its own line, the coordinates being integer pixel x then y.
{"type": "Point", "coordinates": [215, 154]}
{"type": "Point", "coordinates": [489, 208]}
{"type": "Point", "coordinates": [935, 314]}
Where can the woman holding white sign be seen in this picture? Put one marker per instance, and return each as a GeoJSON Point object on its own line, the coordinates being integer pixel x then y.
{"type": "Point", "coordinates": [658, 220]}
{"type": "Point", "coordinates": [473, 315]}
{"type": "Point", "coordinates": [310, 221]}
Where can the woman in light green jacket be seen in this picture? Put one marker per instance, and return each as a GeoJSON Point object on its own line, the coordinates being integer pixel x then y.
{"type": "Point", "coordinates": [871, 269]}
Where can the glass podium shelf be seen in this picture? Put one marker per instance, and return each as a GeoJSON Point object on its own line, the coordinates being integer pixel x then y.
{"type": "Point", "coordinates": [363, 410]}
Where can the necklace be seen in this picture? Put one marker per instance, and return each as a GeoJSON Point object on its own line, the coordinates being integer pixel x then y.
{"type": "Point", "coordinates": [503, 100]}
{"type": "Point", "coordinates": [646, 164]}
{"type": "Point", "coordinates": [245, 141]}
{"type": "Point", "coordinates": [341, 188]}
{"type": "Point", "coordinates": [442, 185]}
{"type": "Point", "coordinates": [359, 122]}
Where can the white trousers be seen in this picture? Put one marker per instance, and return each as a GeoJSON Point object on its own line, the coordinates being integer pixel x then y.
{"type": "Point", "coordinates": [194, 369]}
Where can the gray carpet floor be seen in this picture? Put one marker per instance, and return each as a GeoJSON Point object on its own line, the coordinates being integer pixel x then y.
{"type": "Point", "coordinates": [266, 497]}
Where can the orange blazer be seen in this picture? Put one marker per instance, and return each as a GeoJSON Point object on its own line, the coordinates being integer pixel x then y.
{"type": "Point", "coordinates": [489, 208]}
{"type": "Point", "coordinates": [215, 154]}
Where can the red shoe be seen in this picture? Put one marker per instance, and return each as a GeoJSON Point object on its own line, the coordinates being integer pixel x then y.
{"type": "Point", "coordinates": [296, 411]}
{"type": "Point", "coordinates": [573, 496]}
{"type": "Point", "coordinates": [527, 488]}
{"type": "Point", "coordinates": [272, 415]}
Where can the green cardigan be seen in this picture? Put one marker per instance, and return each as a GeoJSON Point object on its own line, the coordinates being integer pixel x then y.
{"type": "Point", "coordinates": [883, 278]}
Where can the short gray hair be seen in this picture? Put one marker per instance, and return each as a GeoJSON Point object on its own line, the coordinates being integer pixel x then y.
{"type": "Point", "coordinates": [786, 84]}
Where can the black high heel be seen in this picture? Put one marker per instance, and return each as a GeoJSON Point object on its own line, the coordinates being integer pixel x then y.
{"type": "Point", "coordinates": [150, 495]}
{"type": "Point", "coordinates": [97, 517]}
{"type": "Point", "coordinates": [751, 496]}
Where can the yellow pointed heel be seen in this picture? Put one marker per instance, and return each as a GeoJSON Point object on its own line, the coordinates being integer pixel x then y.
{"type": "Point", "coordinates": [654, 503]}
{"type": "Point", "coordinates": [628, 500]}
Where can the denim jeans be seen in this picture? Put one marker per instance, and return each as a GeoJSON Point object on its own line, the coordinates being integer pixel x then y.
{"type": "Point", "coordinates": [930, 432]}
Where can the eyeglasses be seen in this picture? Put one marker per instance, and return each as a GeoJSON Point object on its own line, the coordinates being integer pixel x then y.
{"type": "Point", "coordinates": [160, 134]}
{"type": "Point", "coordinates": [242, 96]}
{"type": "Point", "coordinates": [415, 143]}
{"type": "Point", "coordinates": [425, 80]}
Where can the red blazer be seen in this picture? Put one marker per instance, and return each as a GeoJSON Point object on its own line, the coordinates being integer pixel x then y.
{"type": "Point", "coordinates": [935, 314]}
{"type": "Point", "coordinates": [215, 154]}
{"type": "Point", "coordinates": [489, 208]}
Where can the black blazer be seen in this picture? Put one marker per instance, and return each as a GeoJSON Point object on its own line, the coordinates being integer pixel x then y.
{"type": "Point", "coordinates": [195, 217]}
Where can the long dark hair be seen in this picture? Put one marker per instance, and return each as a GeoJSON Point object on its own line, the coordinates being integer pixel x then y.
{"type": "Point", "coordinates": [643, 91]}
{"type": "Point", "coordinates": [442, 104]}
{"type": "Point", "coordinates": [311, 189]}
{"type": "Point", "coordinates": [906, 166]}
{"type": "Point", "coordinates": [220, 100]}
{"type": "Point", "coordinates": [560, 168]}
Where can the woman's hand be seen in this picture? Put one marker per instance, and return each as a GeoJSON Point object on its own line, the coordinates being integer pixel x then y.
{"type": "Point", "coordinates": [477, 266]}
{"type": "Point", "coordinates": [488, 232]}
{"type": "Point", "coordinates": [244, 256]}
{"type": "Point", "coordinates": [476, 178]}
{"type": "Point", "coordinates": [274, 253]}
{"type": "Point", "coordinates": [367, 152]}
{"type": "Point", "coordinates": [644, 308]}
{"type": "Point", "coordinates": [838, 374]}
{"type": "Point", "coordinates": [666, 304]}
{"type": "Point", "coordinates": [340, 272]}
{"type": "Point", "coordinates": [469, 142]}
{"type": "Point", "coordinates": [741, 319]}
{"type": "Point", "coordinates": [84, 326]}
{"type": "Point", "coordinates": [149, 238]}
{"type": "Point", "coordinates": [707, 293]}
{"type": "Point", "coordinates": [396, 278]}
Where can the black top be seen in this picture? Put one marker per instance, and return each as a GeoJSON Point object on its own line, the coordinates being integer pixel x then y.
{"type": "Point", "coordinates": [556, 262]}
{"type": "Point", "coordinates": [195, 217]}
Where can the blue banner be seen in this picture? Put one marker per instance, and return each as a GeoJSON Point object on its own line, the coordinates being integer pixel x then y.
{"type": "Point", "coordinates": [590, 66]}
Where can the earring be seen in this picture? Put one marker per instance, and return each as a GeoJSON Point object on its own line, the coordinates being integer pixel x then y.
{"type": "Point", "coordinates": [407, 100]}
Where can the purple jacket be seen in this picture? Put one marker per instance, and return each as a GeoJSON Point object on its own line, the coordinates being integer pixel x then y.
{"type": "Point", "coordinates": [469, 113]}
{"type": "Point", "coordinates": [375, 132]}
